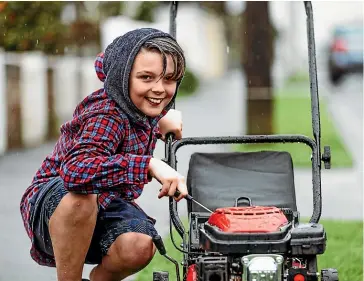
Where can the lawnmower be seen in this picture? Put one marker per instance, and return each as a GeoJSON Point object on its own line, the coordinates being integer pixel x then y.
{"type": "Point", "coordinates": [254, 232]}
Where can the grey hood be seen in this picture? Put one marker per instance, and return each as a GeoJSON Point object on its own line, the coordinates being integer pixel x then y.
{"type": "Point", "coordinates": [113, 67]}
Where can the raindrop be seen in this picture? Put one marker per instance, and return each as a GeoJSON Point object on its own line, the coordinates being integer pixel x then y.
{"type": "Point", "coordinates": [84, 37]}
{"type": "Point", "coordinates": [37, 41]}
{"type": "Point", "coordinates": [5, 17]}
{"type": "Point", "coordinates": [227, 49]}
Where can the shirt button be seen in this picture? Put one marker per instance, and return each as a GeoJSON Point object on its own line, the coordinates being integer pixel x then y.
{"type": "Point", "coordinates": [137, 180]}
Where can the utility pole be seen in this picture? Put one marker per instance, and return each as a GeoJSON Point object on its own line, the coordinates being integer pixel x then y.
{"type": "Point", "coordinates": [257, 59]}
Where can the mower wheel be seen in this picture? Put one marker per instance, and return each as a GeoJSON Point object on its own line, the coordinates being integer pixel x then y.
{"type": "Point", "coordinates": [329, 274]}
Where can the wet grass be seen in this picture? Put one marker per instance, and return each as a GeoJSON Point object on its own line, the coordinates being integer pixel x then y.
{"type": "Point", "coordinates": [344, 251]}
{"type": "Point", "coordinates": [292, 115]}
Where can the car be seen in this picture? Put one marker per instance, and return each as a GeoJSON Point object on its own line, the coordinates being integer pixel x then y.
{"type": "Point", "coordinates": [345, 51]}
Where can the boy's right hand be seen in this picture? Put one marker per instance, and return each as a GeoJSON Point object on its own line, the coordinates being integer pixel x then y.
{"type": "Point", "coordinates": [170, 179]}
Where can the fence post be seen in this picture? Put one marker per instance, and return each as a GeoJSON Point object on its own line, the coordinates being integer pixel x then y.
{"type": "Point", "coordinates": [65, 91]}
{"type": "Point", "coordinates": [3, 106]}
{"type": "Point", "coordinates": [33, 95]}
{"type": "Point", "coordinates": [53, 123]}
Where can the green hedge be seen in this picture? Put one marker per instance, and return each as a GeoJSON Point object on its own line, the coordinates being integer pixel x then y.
{"type": "Point", "coordinates": [189, 85]}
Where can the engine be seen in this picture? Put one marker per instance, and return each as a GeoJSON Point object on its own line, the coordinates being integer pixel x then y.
{"type": "Point", "coordinates": [245, 230]}
{"type": "Point", "coordinates": [252, 244]}
{"type": "Point", "coordinates": [236, 239]}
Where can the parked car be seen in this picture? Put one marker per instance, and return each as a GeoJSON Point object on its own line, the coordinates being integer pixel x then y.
{"type": "Point", "coordinates": [346, 51]}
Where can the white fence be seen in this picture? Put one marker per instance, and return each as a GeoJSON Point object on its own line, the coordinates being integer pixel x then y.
{"type": "Point", "coordinates": [33, 88]}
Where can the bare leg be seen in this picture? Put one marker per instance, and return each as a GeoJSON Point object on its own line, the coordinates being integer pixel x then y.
{"type": "Point", "coordinates": [130, 253]}
{"type": "Point", "coordinates": [71, 228]}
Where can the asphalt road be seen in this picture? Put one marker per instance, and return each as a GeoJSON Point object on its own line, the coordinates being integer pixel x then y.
{"type": "Point", "coordinates": [216, 110]}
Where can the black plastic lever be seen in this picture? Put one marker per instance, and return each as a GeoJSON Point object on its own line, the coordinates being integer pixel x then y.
{"type": "Point", "coordinates": [158, 242]}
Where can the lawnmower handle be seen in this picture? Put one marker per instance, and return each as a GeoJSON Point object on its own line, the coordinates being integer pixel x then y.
{"type": "Point", "coordinates": [178, 193]}
{"type": "Point", "coordinates": [169, 139]}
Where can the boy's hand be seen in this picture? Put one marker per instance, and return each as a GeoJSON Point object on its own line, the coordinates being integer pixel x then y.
{"type": "Point", "coordinates": [171, 123]}
{"type": "Point", "coordinates": [170, 179]}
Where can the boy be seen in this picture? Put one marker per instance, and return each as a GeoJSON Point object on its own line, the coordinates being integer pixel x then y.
{"type": "Point", "coordinates": [80, 206]}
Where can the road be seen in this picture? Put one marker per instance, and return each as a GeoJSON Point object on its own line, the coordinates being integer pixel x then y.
{"type": "Point", "coordinates": [216, 110]}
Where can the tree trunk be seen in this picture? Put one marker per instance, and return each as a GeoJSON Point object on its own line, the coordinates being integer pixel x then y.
{"type": "Point", "coordinates": [257, 55]}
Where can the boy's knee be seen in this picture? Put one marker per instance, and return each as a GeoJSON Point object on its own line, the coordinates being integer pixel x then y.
{"type": "Point", "coordinates": [133, 251]}
{"type": "Point", "coordinates": [81, 207]}
{"type": "Point", "coordinates": [137, 248]}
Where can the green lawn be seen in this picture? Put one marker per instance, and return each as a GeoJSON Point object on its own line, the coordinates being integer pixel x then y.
{"type": "Point", "coordinates": [292, 115]}
{"type": "Point", "coordinates": [344, 252]}
{"type": "Point", "coordinates": [344, 249]}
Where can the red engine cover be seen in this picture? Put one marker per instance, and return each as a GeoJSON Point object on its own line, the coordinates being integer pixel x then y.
{"type": "Point", "coordinates": [255, 219]}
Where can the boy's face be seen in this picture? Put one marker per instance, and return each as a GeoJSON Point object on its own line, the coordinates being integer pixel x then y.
{"type": "Point", "coordinates": [150, 92]}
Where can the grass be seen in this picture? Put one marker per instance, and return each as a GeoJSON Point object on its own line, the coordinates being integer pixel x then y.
{"type": "Point", "coordinates": [344, 251]}
{"type": "Point", "coordinates": [292, 115]}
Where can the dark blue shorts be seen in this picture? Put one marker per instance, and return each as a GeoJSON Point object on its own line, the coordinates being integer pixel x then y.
{"type": "Point", "coordinates": [121, 216]}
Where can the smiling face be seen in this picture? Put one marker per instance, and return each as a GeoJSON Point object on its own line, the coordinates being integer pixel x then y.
{"type": "Point", "coordinates": [149, 90]}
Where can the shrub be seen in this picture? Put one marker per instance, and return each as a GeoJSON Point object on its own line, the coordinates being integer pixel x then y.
{"type": "Point", "coordinates": [190, 83]}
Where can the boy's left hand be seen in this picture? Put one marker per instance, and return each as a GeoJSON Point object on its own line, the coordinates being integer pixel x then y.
{"type": "Point", "coordinates": [171, 123]}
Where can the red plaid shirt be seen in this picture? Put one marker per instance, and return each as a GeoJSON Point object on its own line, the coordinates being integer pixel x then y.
{"type": "Point", "coordinates": [98, 152]}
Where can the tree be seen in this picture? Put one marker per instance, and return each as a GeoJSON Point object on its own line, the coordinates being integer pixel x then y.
{"type": "Point", "coordinates": [28, 26]}
{"type": "Point", "coordinates": [145, 11]}
{"type": "Point", "coordinates": [257, 59]}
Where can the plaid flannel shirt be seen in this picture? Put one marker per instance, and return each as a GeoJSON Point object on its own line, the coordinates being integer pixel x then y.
{"type": "Point", "coordinates": [98, 152]}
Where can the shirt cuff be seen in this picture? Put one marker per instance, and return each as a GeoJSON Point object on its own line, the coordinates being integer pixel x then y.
{"type": "Point", "coordinates": [138, 168]}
